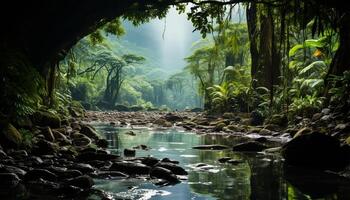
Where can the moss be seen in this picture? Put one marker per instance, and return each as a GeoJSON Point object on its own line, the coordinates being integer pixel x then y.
{"type": "Point", "coordinates": [45, 118]}
{"type": "Point", "coordinates": [10, 137]}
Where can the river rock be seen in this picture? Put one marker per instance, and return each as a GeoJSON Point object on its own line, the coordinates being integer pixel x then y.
{"type": "Point", "coordinates": [169, 161]}
{"type": "Point", "coordinates": [90, 156]}
{"type": "Point", "coordinates": [45, 118]}
{"type": "Point", "coordinates": [249, 146]}
{"type": "Point", "coordinates": [130, 132]}
{"type": "Point", "coordinates": [224, 159]}
{"type": "Point", "coordinates": [9, 136]}
{"type": "Point", "coordinates": [163, 123]}
{"type": "Point", "coordinates": [75, 126]}
{"type": "Point", "coordinates": [102, 143]}
{"type": "Point", "coordinates": [8, 181]}
{"type": "Point", "coordinates": [58, 135]}
{"type": "Point", "coordinates": [163, 173]}
{"type": "Point", "coordinates": [36, 174]}
{"type": "Point", "coordinates": [64, 173]}
{"type": "Point", "coordinates": [48, 134]}
{"type": "Point", "coordinates": [278, 119]}
{"type": "Point", "coordinates": [130, 168]}
{"type": "Point", "coordinates": [42, 187]}
{"type": "Point", "coordinates": [43, 147]}
{"type": "Point", "coordinates": [129, 152]}
{"type": "Point", "coordinates": [82, 167]}
{"type": "Point", "coordinates": [210, 147]}
{"type": "Point", "coordinates": [172, 117]}
{"type": "Point", "coordinates": [83, 182]}
{"type": "Point", "coordinates": [3, 155]}
{"type": "Point", "coordinates": [89, 131]}
{"type": "Point", "coordinates": [149, 161]}
{"type": "Point", "coordinates": [82, 141]}
{"type": "Point", "coordinates": [315, 150]}
{"type": "Point", "coordinates": [303, 131]}
{"type": "Point", "coordinates": [172, 167]}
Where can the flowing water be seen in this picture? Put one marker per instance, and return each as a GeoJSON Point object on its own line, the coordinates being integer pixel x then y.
{"type": "Point", "coordinates": [258, 176]}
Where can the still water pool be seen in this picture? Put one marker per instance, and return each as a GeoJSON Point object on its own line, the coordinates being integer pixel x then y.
{"type": "Point", "coordinates": [259, 176]}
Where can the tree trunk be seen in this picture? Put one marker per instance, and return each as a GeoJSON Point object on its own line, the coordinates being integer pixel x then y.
{"type": "Point", "coordinates": [341, 60]}
{"type": "Point", "coordinates": [252, 33]}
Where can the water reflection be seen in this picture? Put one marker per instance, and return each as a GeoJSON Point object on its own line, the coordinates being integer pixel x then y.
{"type": "Point", "coordinates": [257, 177]}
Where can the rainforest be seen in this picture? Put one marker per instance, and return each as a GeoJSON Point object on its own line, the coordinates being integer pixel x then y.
{"type": "Point", "coordinates": [175, 99]}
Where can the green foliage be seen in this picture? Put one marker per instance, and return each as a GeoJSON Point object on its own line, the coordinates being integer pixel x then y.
{"type": "Point", "coordinates": [340, 89]}
{"type": "Point", "coordinates": [27, 138]}
{"type": "Point", "coordinates": [306, 106]}
{"type": "Point", "coordinates": [22, 86]}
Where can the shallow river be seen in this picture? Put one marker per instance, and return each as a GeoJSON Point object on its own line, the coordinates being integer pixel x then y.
{"type": "Point", "coordinates": [258, 177]}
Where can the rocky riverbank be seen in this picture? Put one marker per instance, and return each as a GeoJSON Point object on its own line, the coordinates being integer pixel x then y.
{"type": "Point", "coordinates": [61, 158]}
{"type": "Point", "coordinates": [45, 156]}
{"type": "Point", "coordinates": [321, 142]}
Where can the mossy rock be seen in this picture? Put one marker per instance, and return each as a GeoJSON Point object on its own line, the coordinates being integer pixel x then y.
{"type": "Point", "coordinates": [120, 107]}
{"type": "Point", "coordinates": [219, 126]}
{"type": "Point", "coordinates": [136, 108]}
{"type": "Point", "coordinates": [45, 118]}
{"type": "Point", "coordinates": [163, 122]}
{"type": "Point", "coordinates": [228, 115]}
{"type": "Point", "coordinates": [235, 128]}
{"type": "Point", "coordinates": [280, 120]}
{"type": "Point", "coordinates": [10, 137]}
{"type": "Point", "coordinates": [302, 131]}
{"type": "Point", "coordinates": [347, 141]}
{"type": "Point", "coordinates": [316, 150]}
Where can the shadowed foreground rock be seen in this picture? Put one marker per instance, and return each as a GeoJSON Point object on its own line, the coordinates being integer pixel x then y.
{"type": "Point", "coordinates": [317, 151]}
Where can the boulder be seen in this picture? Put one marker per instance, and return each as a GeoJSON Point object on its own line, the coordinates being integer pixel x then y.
{"type": "Point", "coordinates": [102, 143]}
{"type": "Point", "coordinates": [129, 152]}
{"type": "Point", "coordinates": [163, 123]}
{"type": "Point", "coordinates": [172, 117]}
{"type": "Point", "coordinates": [90, 156]}
{"type": "Point", "coordinates": [8, 181]}
{"type": "Point", "coordinates": [149, 161]}
{"type": "Point", "coordinates": [9, 136]}
{"type": "Point", "coordinates": [89, 131]}
{"type": "Point", "coordinates": [83, 182]}
{"type": "Point", "coordinates": [170, 161]}
{"type": "Point", "coordinates": [210, 147]}
{"type": "Point", "coordinates": [280, 120]}
{"type": "Point", "coordinates": [163, 173]}
{"type": "Point", "coordinates": [219, 126]}
{"type": "Point", "coordinates": [36, 174]}
{"type": "Point", "coordinates": [249, 146]}
{"type": "Point", "coordinates": [48, 134]}
{"type": "Point", "coordinates": [130, 132]}
{"type": "Point", "coordinates": [315, 150]}
{"type": "Point", "coordinates": [45, 118]}
{"type": "Point", "coordinates": [172, 167]}
{"type": "Point", "coordinates": [43, 147]}
{"type": "Point", "coordinates": [12, 169]}
{"type": "Point", "coordinates": [303, 131]}
{"type": "Point", "coordinates": [82, 141]}
{"type": "Point", "coordinates": [58, 135]}
{"type": "Point", "coordinates": [316, 116]}
{"type": "Point", "coordinates": [130, 168]}
{"type": "Point", "coordinates": [82, 167]}
{"type": "Point", "coordinates": [229, 115]}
